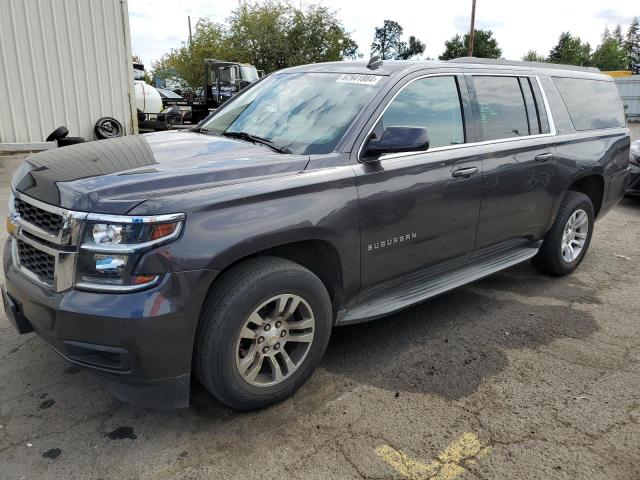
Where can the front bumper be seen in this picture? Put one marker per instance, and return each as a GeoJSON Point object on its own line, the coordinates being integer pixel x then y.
{"type": "Point", "coordinates": [139, 345]}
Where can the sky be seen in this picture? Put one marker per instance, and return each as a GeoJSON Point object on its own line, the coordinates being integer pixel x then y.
{"type": "Point", "coordinates": [159, 25]}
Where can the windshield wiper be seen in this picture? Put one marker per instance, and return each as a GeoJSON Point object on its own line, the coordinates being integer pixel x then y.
{"type": "Point", "coordinates": [255, 139]}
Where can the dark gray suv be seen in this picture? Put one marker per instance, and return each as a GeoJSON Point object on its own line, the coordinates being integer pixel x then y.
{"type": "Point", "coordinates": [322, 195]}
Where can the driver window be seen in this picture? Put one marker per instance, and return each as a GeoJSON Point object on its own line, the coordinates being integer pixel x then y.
{"type": "Point", "coordinates": [432, 102]}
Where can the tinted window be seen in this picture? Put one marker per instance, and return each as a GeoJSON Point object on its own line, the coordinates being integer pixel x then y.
{"type": "Point", "coordinates": [591, 103]}
{"type": "Point", "coordinates": [559, 112]}
{"type": "Point", "coordinates": [433, 103]}
{"type": "Point", "coordinates": [502, 109]}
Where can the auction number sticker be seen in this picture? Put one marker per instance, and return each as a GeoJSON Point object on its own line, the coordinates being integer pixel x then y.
{"type": "Point", "coordinates": [359, 78]}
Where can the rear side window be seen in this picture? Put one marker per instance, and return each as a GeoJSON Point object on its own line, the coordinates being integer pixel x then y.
{"type": "Point", "coordinates": [433, 103]}
{"type": "Point", "coordinates": [592, 104]}
{"type": "Point", "coordinates": [503, 113]}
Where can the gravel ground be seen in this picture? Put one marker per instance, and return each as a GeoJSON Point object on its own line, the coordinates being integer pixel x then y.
{"type": "Point", "coordinates": [516, 376]}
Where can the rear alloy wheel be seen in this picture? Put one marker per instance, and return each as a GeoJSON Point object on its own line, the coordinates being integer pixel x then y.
{"type": "Point", "coordinates": [262, 333]}
{"type": "Point", "coordinates": [574, 237]}
{"type": "Point", "coordinates": [566, 243]}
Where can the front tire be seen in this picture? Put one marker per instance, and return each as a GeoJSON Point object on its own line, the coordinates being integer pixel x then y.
{"type": "Point", "coordinates": [568, 240]}
{"type": "Point", "coordinates": [263, 331]}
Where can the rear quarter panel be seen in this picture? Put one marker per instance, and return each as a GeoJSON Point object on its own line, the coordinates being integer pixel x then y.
{"type": "Point", "coordinates": [602, 152]}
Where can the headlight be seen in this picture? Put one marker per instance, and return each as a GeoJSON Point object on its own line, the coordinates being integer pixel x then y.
{"type": "Point", "coordinates": [109, 250]}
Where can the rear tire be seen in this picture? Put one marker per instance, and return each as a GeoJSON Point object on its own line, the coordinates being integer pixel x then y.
{"type": "Point", "coordinates": [568, 240]}
{"type": "Point", "coordinates": [263, 331]}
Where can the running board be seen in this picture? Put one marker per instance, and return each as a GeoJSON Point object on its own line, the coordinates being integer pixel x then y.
{"type": "Point", "coordinates": [421, 287]}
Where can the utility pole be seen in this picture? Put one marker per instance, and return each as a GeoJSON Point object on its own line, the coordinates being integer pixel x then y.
{"type": "Point", "coordinates": [190, 36]}
{"type": "Point", "coordinates": [472, 30]}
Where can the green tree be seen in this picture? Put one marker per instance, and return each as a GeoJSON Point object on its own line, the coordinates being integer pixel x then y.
{"type": "Point", "coordinates": [270, 34]}
{"type": "Point", "coordinates": [257, 34]}
{"type": "Point", "coordinates": [617, 34]}
{"type": "Point", "coordinates": [484, 46]}
{"type": "Point", "coordinates": [609, 56]}
{"type": "Point", "coordinates": [388, 44]}
{"type": "Point", "coordinates": [533, 56]}
{"type": "Point", "coordinates": [632, 46]}
{"type": "Point", "coordinates": [415, 47]}
{"type": "Point", "coordinates": [570, 51]}
{"type": "Point", "coordinates": [316, 35]}
{"type": "Point", "coordinates": [208, 41]}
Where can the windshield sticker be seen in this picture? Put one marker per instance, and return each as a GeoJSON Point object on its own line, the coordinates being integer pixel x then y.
{"type": "Point", "coordinates": [358, 78]}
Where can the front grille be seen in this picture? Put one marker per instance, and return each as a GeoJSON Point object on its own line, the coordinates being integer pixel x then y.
{"type": "Point", "coordinates": [47, 221]}
{"type": "Point", "coordinates": [36, 261]}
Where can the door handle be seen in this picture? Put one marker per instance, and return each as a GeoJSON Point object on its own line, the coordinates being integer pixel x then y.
{"type": "Point", "coordinates": [543, 157]}
{"type": "Point", "coordinates": [464, 172]}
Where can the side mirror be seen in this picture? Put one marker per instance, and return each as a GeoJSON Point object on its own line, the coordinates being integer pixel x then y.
{"type": "Point", "coordinates": [397, 140]}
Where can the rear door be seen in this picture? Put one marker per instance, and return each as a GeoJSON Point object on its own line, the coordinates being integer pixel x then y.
{"type": "Point", "coordinates": [417, 209]}
{"type": "Point", "coordinates": [520, 179]}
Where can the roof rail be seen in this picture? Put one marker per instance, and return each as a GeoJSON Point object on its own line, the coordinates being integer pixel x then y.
{"type": "Point", "coordinates": [517, 63]}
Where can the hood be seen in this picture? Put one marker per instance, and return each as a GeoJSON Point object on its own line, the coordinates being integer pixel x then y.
{"type": "Point", "coordinates": [113, 176]}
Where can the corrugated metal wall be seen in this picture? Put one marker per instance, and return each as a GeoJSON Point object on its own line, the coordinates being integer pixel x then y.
{"type": "Point", "coordinates": [629, 88]}
{"type": "Point", "coordinates": [63, 62]}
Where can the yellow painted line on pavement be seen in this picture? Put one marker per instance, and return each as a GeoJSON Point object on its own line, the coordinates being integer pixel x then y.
{"type": "Point", "coordinates": [448, 465]}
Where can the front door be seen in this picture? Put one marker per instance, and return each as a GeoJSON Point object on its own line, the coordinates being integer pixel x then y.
{"type": "Point", "coordinates": [420, 209]}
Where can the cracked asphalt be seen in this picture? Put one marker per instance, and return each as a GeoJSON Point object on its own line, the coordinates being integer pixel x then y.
{"type": "Point", "coordinates": [542, 371]}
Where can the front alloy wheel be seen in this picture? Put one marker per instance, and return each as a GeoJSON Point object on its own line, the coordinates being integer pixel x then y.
{"type": "Point", "coordinates": [275, 340]}
{"type": "Point", "coordinates": [262, 333]}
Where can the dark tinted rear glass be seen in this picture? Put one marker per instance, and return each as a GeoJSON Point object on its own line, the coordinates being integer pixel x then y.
{"type": "Point", "coordinates": [502, 110]}
{"type": "Point", "coordinates": [592, 104]}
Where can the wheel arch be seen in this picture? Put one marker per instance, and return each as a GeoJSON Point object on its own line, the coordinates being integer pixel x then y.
{"type": "Point", "coordinates": [592, 185]}
{"type": "Point", "coordinates": [317, 253]}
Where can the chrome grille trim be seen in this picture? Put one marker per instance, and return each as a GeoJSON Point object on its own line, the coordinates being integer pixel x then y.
{"type": "Point", "coordinates": [64, 264]}
{"type": "Point", "coordinates": [58, 244]}
{"type": "Point", "coordinates": [43, 219]}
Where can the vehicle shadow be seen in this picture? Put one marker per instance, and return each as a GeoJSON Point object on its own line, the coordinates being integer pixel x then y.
{"type": "Point", "coordinates": [448, 345]}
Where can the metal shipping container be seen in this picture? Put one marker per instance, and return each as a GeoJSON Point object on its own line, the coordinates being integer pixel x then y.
{"type": "Point", "coordinates": [629, 88]}
{"type": "Point", "coordinates": [63, 62]}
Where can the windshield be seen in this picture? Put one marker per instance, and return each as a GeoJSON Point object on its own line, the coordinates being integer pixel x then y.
{"type": "Point", "coordinates": [305, 113]}
{"type": "Point", "coordinates": [248, 73]}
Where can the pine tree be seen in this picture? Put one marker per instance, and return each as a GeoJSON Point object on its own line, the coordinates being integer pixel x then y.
{"type": "Point", "coordinates": [632, 45]}
{"type": "Point", "coordinates": [617, 35]}
{"type": "Point", "coordinates": [571, 51]}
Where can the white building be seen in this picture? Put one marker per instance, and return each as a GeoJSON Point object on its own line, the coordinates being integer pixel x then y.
{"type": "Point", "coordinates": [63, 62]}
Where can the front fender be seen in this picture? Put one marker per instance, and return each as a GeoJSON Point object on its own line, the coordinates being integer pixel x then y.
{"type": "Point", "coordinates": [317, 205]}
